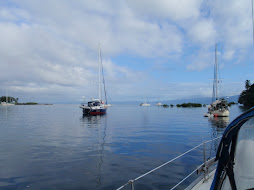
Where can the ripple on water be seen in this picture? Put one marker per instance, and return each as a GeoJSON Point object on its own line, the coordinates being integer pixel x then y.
{"type": "Point", "coordinates": [55, 147]}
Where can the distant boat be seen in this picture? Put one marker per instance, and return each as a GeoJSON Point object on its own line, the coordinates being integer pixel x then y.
{"type": "Point", "coordinates": [144, 104]}
{"type": "Point", "coordinates": [6, 104]}
{"type": "Point", "coordinates": [219, 107]}
{"type": "Point", "coordinates": [96, 106]}
{"type": "Point", "coordinates": [158, 103]}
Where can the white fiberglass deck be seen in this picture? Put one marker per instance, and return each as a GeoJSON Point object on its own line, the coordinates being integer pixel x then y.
{"type": "Point", "coordinates": [204, 185]}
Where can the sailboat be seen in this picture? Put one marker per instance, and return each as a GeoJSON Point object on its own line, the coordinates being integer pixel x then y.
{"type": "Point", "coordinates": [219, 107]}
{"type": "Point", "coordinates": [96, 106]}
{"type": "Point", "coordinates": [145, 104]}
{"type": "Point", "coordinates": [158, 103]}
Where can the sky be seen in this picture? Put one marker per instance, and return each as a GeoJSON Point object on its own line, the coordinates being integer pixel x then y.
{"type": "Point", "coordinates": [151, 50]}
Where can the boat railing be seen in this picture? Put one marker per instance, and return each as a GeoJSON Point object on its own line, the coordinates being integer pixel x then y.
{"type": "Point", "coordinates": [202, 168]}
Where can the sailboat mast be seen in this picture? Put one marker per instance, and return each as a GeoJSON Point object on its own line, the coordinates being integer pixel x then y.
{"type": "Point", "coordinates": [252, 20]}
{"type": "Point", "coordinates": [99, 72]}
{"type": "Point", "coordinates": [216, 72]}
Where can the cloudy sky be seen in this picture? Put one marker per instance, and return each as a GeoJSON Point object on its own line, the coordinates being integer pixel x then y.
{"type": "Point", "coordinates": [162, 49]}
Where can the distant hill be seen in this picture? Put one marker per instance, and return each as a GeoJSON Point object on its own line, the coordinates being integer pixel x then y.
{"type": "Point", "coordinates": [201, 100]}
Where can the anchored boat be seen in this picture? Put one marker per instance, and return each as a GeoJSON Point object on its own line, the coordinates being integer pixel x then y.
{"type": "Point", "coordinates": [219, 107]}
{"type": "Point", "coordinates": [159, 104]}
{"type": "Point", "coordinates": [96, 106]}
{"type": "Point", "coordinates": [145, 104]}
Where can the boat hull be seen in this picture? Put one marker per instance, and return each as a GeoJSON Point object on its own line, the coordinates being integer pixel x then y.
{"type": "Point", "coordinates": [6, 104]}
{"type": "Point", "coordinates": [93, 111]}
{"type": "Point", "coordinates": [218, 113]}
{"type": "Point", "coordinates": [144, 104]}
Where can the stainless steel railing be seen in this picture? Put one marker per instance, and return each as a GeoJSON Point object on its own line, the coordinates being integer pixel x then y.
{"type": "Point", "coordinates": [202, 168]}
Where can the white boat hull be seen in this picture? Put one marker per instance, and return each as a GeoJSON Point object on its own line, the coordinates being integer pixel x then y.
{"type": "Point", "coordinates": [6, 104]}
{"type": "Point", "coordinates": [220, 113]}
{"type": "Point", "coordinates": [217, 113]}
{"type": "Point", "coordinates": [144, 104]}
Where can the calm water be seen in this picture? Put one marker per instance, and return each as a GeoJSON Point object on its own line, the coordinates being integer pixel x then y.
{"type": "Point", "coordinates": [54, 147]}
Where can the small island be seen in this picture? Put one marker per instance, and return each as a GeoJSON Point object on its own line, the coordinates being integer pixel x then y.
{"type": "Point", "coordinates": [189, 105]}
{"type": "Point", "coordinates": [27, 103]}
{"type": "Point", "coordinates": [184, 105]}
{"type": "Point", "coordinates": [14, 101]}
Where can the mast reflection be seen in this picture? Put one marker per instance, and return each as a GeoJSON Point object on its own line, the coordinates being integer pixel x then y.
{"type": "Point", "coordinates": [219, 124]}
{"type": "Point", "coordinates": [99, 122]}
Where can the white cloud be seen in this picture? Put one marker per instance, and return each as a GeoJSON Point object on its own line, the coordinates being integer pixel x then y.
{"type": "Point", "coordinates": [203, 32]}
{"type": "Point", "coordinates": [162, 9]}
{"type": "Point", "coordinates": [52, 45]}
{"type": "Point", "coordinates": [233, 22]}
{"type": "Point", "coordinates": [201, 61]}
{"type": "Point", "coordinates": [228, 54]}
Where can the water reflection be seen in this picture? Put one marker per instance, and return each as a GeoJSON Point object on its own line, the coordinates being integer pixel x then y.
{"type": "Point", "coordinates": [5, 110]}
{"type": "Point", "coordinates": [100, 123]}
{"type": "Point", "coordinates": [91, 120]}
{"type": "Point", "coordinates": [243, 108]}
{"type": "Point", "coordinates": [102, 137]}
{"type": "Point", "coordinates": [70, 151]}
{"type": "Point", "coordinates": [219, 122]}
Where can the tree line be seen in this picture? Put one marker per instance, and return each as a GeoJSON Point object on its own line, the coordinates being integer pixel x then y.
{"type": "Point", "coordinates": [9, 99]}
{"type": "Point", "coordinates": [247, 96]}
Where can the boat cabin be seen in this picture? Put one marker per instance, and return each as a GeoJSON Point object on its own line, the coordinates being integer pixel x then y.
{"type": "Point", "coordinates": [94, 103]}
{"type": "Point", "coordinates": [219, 104]}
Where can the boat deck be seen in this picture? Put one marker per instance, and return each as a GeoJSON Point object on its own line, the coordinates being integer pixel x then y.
{"type": "Point", "coordinates": [200, 184]}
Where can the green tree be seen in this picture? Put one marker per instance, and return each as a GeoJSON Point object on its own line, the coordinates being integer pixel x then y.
{"type": "Point", "coordinates": [10, 99]}
{"type": "Point", "coordinates": [247, 96]}
{"type": "Point", "coordinates": [247, 84]}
